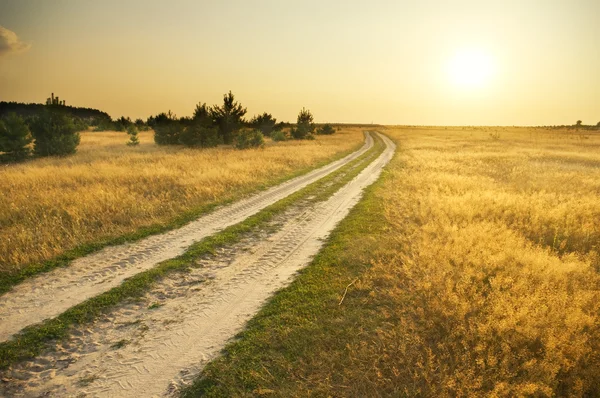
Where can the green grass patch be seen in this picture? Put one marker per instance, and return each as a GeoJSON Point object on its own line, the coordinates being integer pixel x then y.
{"type": "Point", "coordinates": [300, 340]}
{"type": "Point", "coordinates": [8, 280]}
{"type": "Point", "coordinates": [36, 338]}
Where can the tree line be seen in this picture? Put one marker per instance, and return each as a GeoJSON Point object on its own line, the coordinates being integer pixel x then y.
{"type": "Point", "coordinates": [52, 129]}
{"type": "Point", "coordinates": [225, 124]}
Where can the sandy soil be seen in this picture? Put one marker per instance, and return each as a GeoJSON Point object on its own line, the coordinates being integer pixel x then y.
{"type": "Point", "coordinates": [50, 294]}
{"type": "Point", "coordinates": [154, 346]}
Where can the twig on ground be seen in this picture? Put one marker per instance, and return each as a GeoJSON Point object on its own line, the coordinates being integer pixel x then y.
{"type": "Point", "coordinates": [346, 291]}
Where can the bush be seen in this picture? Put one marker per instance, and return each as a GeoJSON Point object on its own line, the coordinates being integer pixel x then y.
{"type": "Point", "coordinates": [249, 139]}
{"type": "Point", "coordinates": [278, 136]}
{"type": "Point", "coordinates": [14, 137]}
{"type": "Point", "coordinates": [265, 123]}
{"type": "Point", "coordinates": [55, 133]}
{"type": "Point", "coordinates": [133, 135]}
{"type": "Point", "coordinates": [167, 129]}
{"type": "Point", "coordinates": [305, 127]}
{"type": "Point", "coordinates": [200, 130]}
{"type": "Point", "coordinates": [80, 124]}
{"type": "Point", "coordinates": [325, 130]}
{"type": "Point", "coordinates": [198, 135]}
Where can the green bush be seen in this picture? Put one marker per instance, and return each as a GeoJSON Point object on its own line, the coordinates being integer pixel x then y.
{"type": "Point", "coordinates": [278, 135]}
{"type": "Point", "coordinates": [265, 123]}
{"type": "Point", "coordinates": [325, 130]}
{"type": "Point", "coordinates": [201, 136]}
{"type": "Point", "coordinates": [249, 139]}
{"type": "Point", "coordinates": [80, 124]}
{"type": "Point", "coordinates": [132, 131]}
{"type": "Point", "coordinates": [55, 133]}
{"type": "Point", "coordinates": [304, 126]}
{"type": "Point", "coordinates": [14, 137]}
{"type": "Point", "coordinates": [167, 129]}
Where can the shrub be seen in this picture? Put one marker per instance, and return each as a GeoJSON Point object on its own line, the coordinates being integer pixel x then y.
{"type": "Point", "coordinates": [249, 139]}
{"type": "Point", "coordinates": [200, 130]}
{"type": "Point", "coordinates": [265, 123]}
{"type": "Point", "coordinates": [80, 124]}
{"type": "Point", "coordinates": [167, 129]}
{"type": "Point", "coordinates": [133, 135]}
{"type": "Point", "coordinates": [14, 137]}
{"type": "Point", "coordinates": [326, 130]}
{"type": "Point", "coordinates": [198, 135]}
{"type": "Point", "coordinates": [304, 127]}
{"type": "Point", "coordinates": [278, 136]}
{"type": "Point", "coordinates": [104, 125]}
{"type": "Point", "coordinates": [55, 133]}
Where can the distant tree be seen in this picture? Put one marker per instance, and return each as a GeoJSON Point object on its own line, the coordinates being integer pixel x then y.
{"type": "Point", "coordinates": [228, 117]}
{"type": "Point", "coordinates": [200, 130]}
{"type": "Point", "coordinates": [265, 123]}
{"type": "Point", "coordinates": [132, 131]}
{"type": "Point", "coordinates": [598, 125]}
{"type": "Point", "coordinates": [326, 129]}
{"type": "Point", "coordinates": [249, 139]}
{"type": "Point", "coordinates": [281, 125]}
{"type": "Point", "coordinates": [304, 125]}
{"type": "Point", "coordinates": [122, 123]}
{"type": "Point", "coordinates": [140, 125]}
{"type": "Point", "coordinates": [167, 129]}
{"type": "Point", "coordinates": [15, 137]}
{"type": "Point", "coordinates": [578, 124]}
{"type": "Point", "coordinates": [278, 135]}
{"type": "Point", "coordinates": [54, 132]}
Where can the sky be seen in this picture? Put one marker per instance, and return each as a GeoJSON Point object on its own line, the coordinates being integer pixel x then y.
{"type": "Point", "coordinates": [511, 62]}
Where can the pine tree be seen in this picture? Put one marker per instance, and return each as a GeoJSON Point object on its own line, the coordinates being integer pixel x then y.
{"type": "Point", "coordinates": [132, 131]}
{"type": "Point", "coordinates": [305, 126]}
{"type": "Point", "coordinates": [14, 137]}
{"type": "Point", "coordinates": [55, 133]}
{"type": "Point", "coordinates": [228, 117]}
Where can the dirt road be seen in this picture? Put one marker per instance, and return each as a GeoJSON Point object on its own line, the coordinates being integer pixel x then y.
{"type": "Point", "coordinates": [50, 294]}
{"type": "Point", "coordinates": [156, 345]}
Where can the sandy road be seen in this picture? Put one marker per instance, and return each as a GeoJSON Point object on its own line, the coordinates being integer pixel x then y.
{"type": "Point", "coordinates": [50, 294]}
{"type": "Point", "coordinates": [139, 350]}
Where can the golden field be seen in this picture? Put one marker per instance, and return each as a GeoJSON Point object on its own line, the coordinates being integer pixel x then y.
{"type": "Point", "coordinates": [489, 285]}
{"type": "Point", "coordinates": [108, 189]}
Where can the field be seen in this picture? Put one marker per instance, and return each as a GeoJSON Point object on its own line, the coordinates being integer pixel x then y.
{"type": "Point", "coordinates": [476, 275]}
{"type": "Point", "coordinates": [107, 189]}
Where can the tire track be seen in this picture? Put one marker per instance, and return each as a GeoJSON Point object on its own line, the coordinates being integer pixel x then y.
{"type": "Point", "coordinates": [147, 350]}
{"type": "Point", "coordinates": [52, 293]}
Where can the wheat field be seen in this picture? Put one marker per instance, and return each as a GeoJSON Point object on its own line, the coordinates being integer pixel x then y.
{"type": "Point", "coordinates": [107, 189]}
{"type": "Point", "coordinates": [489, 285]}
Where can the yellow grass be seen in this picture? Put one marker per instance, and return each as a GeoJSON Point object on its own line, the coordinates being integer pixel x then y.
{"type": "Point", "coordinates": [107, 189]}
{"type": "Point", "coordinates": [492, 286]}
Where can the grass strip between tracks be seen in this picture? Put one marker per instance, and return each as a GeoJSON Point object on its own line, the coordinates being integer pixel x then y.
{"type": "Point", "coordinates": [32, 340]}
{"type": "Point", "coordinates": [308, 326]}
{"type": "Point", "coordinates": [8, 280]}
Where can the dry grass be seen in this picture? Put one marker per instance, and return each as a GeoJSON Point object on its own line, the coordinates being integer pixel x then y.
{"type": "Point", "coordinates": [493, 286]}
{"type": "Point", "coordinates": [107, 189]}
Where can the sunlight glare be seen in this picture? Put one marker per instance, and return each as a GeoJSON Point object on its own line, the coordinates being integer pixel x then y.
{"type": "Point", "coordinates": [471, 69]}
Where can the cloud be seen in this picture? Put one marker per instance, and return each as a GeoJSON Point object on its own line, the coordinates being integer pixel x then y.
{"type": "Point", "coordinates": [10, 42]}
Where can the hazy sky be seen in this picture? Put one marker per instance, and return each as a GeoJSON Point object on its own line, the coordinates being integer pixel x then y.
{"type": "Point", "coordinates": [392, 62]}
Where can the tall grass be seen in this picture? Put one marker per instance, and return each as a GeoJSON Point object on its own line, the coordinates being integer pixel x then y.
{"type": "Point", "coordinates": [494, 285]}
{"type": "Point", "coordinates": [48, 206]}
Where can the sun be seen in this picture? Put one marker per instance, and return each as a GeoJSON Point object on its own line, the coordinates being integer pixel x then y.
{"type": "Point", "coordinates": [471, 69]}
